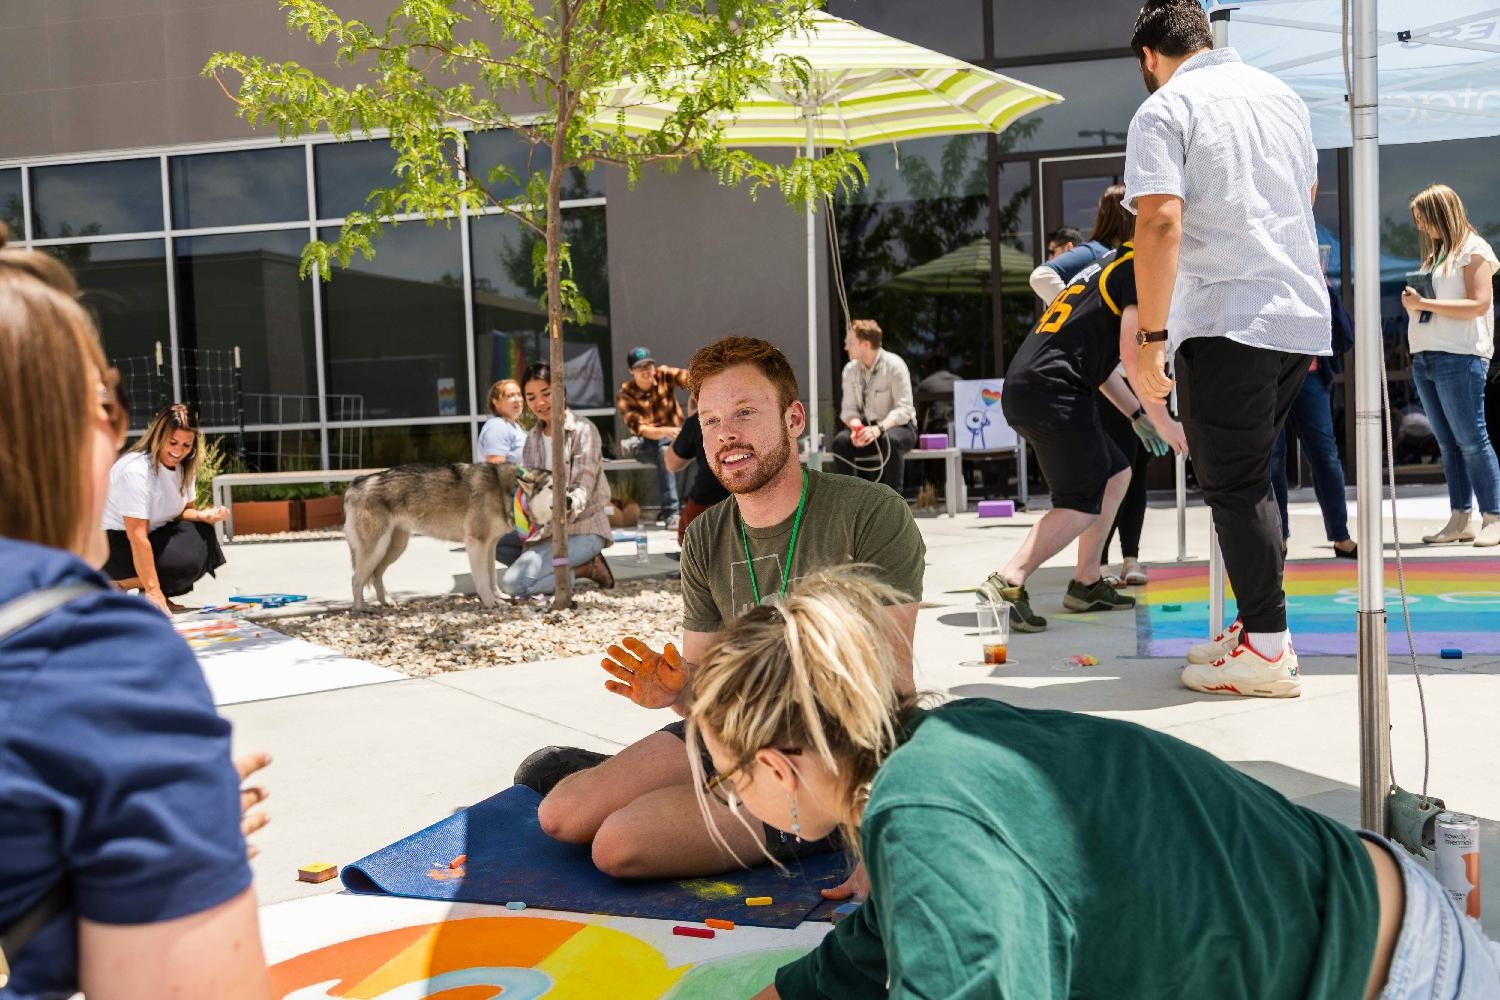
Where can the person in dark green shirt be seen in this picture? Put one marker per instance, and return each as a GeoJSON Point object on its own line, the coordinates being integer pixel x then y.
{"type": "Point", "coordinates": [1041, 854]}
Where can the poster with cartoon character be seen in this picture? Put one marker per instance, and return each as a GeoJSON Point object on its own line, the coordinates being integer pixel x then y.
{"type": "Point", "coordinates": [978, 423]}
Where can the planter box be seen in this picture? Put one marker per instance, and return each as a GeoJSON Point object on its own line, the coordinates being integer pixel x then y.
{"type": "Point", "coordinates": [323, 512]}
{"type": "Point", "coordinates": [267, 517]}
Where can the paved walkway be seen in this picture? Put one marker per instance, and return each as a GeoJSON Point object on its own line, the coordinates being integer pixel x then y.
{"type": "Point", "coordinates": [358, 767]}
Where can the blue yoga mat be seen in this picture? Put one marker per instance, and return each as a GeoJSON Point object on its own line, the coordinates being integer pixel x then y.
{"type": "Point", "coordinates": [511, 859]}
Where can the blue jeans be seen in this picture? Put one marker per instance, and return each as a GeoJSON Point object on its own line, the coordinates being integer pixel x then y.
{"type": "Point", "coordinates": [1312, 419]}
{"type": "Point", "coordinates": [1451, 387]}
{"type": "Point", "coordinates": [531, 573]}
{"type": "Point", "coordinates": [652, 453]}
{"type": "Point", "coordinates": [1441, 954]}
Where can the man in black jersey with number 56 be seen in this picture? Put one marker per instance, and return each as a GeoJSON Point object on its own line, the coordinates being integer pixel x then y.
{"type": "Point", "coordinates": [1048, 398]}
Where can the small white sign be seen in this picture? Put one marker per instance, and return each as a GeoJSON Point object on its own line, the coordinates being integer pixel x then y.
{"type": "Point", "coordinates": [978, 423]}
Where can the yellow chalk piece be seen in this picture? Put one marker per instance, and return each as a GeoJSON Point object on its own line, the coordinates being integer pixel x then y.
{"type": "Point", "coordinates": [321, 871]}
{"type": "Point", "coordinates": [757, 900]}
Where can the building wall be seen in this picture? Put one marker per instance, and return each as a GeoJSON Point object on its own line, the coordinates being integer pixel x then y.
{"type": "Point", "coordinates": [691, 261]}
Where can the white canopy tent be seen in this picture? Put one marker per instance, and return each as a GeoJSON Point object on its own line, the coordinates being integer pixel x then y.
{"type": "Point", "coordinates": [1432, 73]}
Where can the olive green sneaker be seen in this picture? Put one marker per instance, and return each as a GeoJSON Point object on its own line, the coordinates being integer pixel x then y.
{"type": "Point", "coordinates": [1095, 597]}
{"type": "Point", "coordinates": [1022, 618]}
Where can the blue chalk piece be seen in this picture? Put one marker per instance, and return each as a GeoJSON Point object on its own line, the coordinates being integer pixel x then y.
{"type": "Point", "coordinates": [1453, 654]}
{"type": "Point", "coordinates": [515, 905]}
{"type": "Point", "coordinates": [846, 910]}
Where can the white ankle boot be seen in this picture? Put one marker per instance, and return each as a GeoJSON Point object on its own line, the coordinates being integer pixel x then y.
{"type": "Point", "coordinates": [1490, 533]}
{"type": "Point", "coordinates": [1458, 529]}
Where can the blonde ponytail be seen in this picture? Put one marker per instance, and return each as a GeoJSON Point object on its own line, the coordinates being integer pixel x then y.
{"type": "Point", "coordinates": [814, 669]}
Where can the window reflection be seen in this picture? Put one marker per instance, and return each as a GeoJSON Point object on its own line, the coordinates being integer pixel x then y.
{"type": "Point", "coordinates": [1027, 32]}
{"type": "Point", "coordinates": [1099, 99]}
{"type": "Point", "coordinates": [12, 210]}
{"type": "Point", "coordinates": [510, 325]}
{"type": "Point", "coordinates": [953, 27]}
{"type": "Point", "coordinates": [124, 287]}
{"type": "Point", "coordinates": [347, 172]}
{"type": "Point", "coordinates": [242, 291]}
{"type": "Point", "coordinates": [395, 325]}
{"type": "Point", "coordinates": [240, 188]}
{"type": "Point", "coordinates": [503, 148]}
{"type": "Point", "coordinates": [96, 199]}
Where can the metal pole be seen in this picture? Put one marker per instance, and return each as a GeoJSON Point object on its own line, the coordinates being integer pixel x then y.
{"type": "Point", "coordinates": [1374, 694]}
{"type": "Point", "coordinates": [1179, 477]}
{"type": "Point", "coordinates": [814, 450]}
{"type": "Point", "coordinates": [239, 402]}
{"type": "Point", "coordinates": [1219, 25]}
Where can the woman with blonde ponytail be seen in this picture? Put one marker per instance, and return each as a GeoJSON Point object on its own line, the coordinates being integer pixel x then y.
{"type": "Point", "coordinates": [1040, 854]}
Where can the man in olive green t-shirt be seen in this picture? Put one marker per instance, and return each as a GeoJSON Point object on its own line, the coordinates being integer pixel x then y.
{"type": "Point", "coordinates": [639, 809]}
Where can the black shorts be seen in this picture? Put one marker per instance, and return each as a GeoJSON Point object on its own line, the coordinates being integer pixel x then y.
{"type": "Point", "coordinates": [1066, 436]}
{"type": "Point", "coordinates": [781, 846]}
{"type": "Point", "coordinates": [184, 552]}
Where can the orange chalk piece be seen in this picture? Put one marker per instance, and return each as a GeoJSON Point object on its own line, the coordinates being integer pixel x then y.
{"type": "Point", "coordinates": [458, 862]}
{"type": "Point", "coordinates": [719, 925]}
{"type": "Point", "coordinates": [757, 900]}
{"type": "Point", "coordinates": [322, 871]}
{"type": "Point", "coordinates": [696, 932]}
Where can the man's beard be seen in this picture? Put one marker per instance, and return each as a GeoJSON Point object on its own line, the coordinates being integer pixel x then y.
{"type": "Point", "coordinates": [1151, 85]}
{"type": "Point", "coordinates": [770, 467]}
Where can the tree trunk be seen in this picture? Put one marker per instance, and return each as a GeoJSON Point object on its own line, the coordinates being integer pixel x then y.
{"type": "Point", "coordinates": [562, 596]}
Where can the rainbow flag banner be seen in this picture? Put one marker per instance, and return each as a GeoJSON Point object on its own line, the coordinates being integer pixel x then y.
{"type": "Point", "coordinates": [1455, 603]}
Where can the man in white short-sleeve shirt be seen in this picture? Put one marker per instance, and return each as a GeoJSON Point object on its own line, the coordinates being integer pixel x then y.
{"type": "Point", "coordinates": [1220, 170]}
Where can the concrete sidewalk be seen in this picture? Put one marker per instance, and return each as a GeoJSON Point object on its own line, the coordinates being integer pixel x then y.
{"type": "Point", "coordinates": [360, 767]}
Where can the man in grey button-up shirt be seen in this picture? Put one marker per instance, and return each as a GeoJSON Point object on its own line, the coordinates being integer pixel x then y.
{"type": "Point", "coordinates": [1221, 171]}
{"type": "Point", "coordinates": [878, 414]}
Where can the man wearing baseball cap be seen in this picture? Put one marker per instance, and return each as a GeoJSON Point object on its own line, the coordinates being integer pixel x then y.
{"type": "Point", "coordinates": [648, 404]}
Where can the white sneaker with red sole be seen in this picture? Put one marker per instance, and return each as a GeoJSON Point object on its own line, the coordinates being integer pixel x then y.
{"type": "Point", "coordinates": [1218, 647]}
{"type": "Point", "coordinates": [1245, 672]}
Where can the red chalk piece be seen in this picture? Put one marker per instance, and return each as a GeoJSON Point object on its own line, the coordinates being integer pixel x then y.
{"type": "Point", "coordinates": [697, 932]}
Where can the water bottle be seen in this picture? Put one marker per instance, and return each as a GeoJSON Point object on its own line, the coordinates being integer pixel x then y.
{"type": "Point", "coordinates": [640, 547]}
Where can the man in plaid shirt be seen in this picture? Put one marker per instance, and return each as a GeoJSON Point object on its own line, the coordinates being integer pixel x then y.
{"type": "Point", "coordinates": [647, 402]}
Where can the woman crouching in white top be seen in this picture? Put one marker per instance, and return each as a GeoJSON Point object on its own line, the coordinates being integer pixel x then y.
{"type": "Point", "coordinates": [159, 541]}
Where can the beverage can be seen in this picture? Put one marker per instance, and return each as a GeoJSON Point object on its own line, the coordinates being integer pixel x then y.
{"type": "Point", "coordinates": [1457, 862]}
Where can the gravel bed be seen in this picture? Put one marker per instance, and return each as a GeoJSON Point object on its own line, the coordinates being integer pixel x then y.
{"type": "Point", "coordinates": [318, 535]}
{"type": "Point", "coordinates": [436, 635]}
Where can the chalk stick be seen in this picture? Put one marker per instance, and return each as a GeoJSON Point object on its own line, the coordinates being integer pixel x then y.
{"type": "Point", "coordinates": [1453, 654]}
{"type": "Point", "coordinates": [697, 932]}
{"type": "Point", "coordinates": [846, 910]}
{"type": "Point", "coordinates": [320, 871]}
{"type": "Point", "coordinates": [515, 905]}
{"type": "Point", "coordinates": [997, 508]}
{"type": "Point", "coordinates": [717, 924]}
{"type": "Point", "coordinates": [757, 900]}
{"type": "Point", "coordinates": [458, 862]}
{"type": "Point", "coordinates": [1171, 607]}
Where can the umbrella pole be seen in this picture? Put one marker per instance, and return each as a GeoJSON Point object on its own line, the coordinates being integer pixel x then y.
{"type": "Point", "coordinates": [1374, 693]}
{"type": "Point", "coordinates": [814, 456]}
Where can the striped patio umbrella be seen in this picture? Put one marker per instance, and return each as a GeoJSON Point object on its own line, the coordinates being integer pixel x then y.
{"type": "Point", "coordinates": [864, 89]}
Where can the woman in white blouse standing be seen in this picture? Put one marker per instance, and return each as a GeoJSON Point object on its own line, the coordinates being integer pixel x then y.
{"type": "Point", "coordinates": [159, 541]}
{"type": "Point", "coordinates": [1452, 337]}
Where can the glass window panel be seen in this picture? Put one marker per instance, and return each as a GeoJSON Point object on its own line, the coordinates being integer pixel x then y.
{"type": "Point", "coordinates": [919, 208]}
{"type": "Point", "coordinates": [382, 447]}
{"type": "Point", "coordinates": [395, 325]}
{"type": "Point", "coordinates": [347, 172]}
{"type": "Point", "coordinates": [499, 147]}
{"type": "Point", "coordinates": [11, 209]}
{"type": "Point", "coordinates": [1023, 31]}
{"type": "Point", "coordinates": [1018, 254]}
{"type": "Point", "coordinates": [510, 325]}
{"type": "Point", "coordinates": [239, 189]}
{"type": "Point", "coordinates": [279, 451]}
{"type": "Point", "coordinates": [953, 27]}
{"type": "Point", "coordinates": [1100, 99]}
{"type": "Point", "coordinates": [242, 291]}
{"type": "Point", "coordinates": [124, 286]}
{"type": "Point", "coordinates": [94, 199]}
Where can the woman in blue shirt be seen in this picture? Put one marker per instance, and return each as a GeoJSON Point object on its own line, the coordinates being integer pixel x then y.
{"type": "Point", "coordinates": [116, 783]}
{"type": "Point", "coordinates": [501, 437]}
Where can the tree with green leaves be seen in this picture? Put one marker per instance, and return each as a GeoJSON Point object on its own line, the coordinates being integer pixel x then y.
{"type": "Point", "coordinates": [545, 69]}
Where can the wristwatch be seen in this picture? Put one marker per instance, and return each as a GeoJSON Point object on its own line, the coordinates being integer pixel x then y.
{"type": "Point", "coordinates": [1144, 337]}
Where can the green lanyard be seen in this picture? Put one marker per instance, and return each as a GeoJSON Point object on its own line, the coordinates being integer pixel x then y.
{"type": "Point", "coordinates": [791, 549]}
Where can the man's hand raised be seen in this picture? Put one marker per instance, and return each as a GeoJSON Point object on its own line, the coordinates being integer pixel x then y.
{"type": "Point", "coordinates": [646, 677]}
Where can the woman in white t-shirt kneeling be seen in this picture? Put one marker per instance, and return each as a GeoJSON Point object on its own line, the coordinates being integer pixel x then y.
{"type": "Point", "coordinates": [159, 541]}
{"type": "Point", "coordinates": [1452, 337]}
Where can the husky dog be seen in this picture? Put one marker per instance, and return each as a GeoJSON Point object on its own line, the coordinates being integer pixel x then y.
{"type": "Point", "coordinates": [473, 504]}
